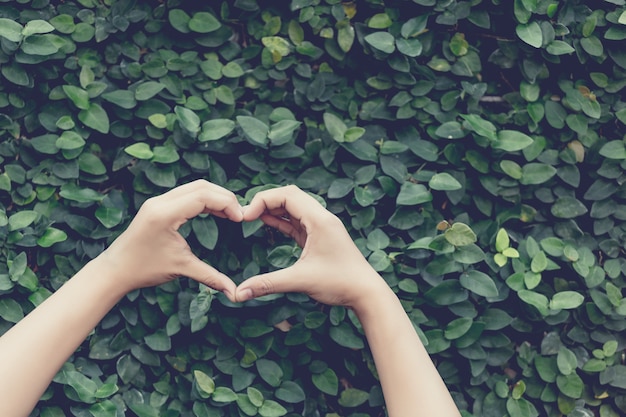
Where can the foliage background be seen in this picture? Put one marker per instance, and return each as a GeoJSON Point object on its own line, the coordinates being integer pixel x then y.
{"type": "Point", "coordinates": [474, 149]}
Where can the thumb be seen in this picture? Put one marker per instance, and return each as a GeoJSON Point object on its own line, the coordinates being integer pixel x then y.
{"type": "Point", "coordinates": [281, 281]}
{"type": "Point", "coordinates": [211, 277]}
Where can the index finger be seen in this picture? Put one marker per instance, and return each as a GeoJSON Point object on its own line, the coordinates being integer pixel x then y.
{"type": "Point", "coordinates": [289, 201]}
{"type": "Point", "coordinates": [190, 200]}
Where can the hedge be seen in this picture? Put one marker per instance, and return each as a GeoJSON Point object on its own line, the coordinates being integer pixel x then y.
{"type": "Point", "coordinates": [475, 150]}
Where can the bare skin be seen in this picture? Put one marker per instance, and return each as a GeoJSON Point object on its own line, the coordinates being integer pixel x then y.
{"type": "Point", "coordinates": [333, 271]}
{"type": "Point", "coordinates": [151, 252]}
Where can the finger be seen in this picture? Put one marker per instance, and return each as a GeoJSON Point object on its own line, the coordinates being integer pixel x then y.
{"type": "Point", "coordinates": [191, 204]}
{"type": "Point", "coordinates": [211, 277]}
{"type": "Point", "coordinates": [289, 200]}
{"type": "Point", "coordinates": [281, 281]}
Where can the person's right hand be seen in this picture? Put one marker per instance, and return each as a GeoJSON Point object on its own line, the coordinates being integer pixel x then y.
{"type": "Point", "coordinates": [330, 269]}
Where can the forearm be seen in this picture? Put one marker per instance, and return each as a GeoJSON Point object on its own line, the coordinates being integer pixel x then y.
{"type": "Point", "coordinates": [411, 384]}
{"type": "Point", "coordinates": [32, 352]}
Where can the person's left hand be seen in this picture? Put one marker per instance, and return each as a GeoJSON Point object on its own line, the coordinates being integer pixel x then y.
{"type": "Point", "coordinates": [151, 251]}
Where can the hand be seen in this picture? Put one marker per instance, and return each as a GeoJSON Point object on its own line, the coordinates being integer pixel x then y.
{"type": "Point", "coordinates": [330, 269]}
{"type": "Point", "coordinates": [151, 251]}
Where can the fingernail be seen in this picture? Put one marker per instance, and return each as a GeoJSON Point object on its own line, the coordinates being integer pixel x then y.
{"type": "Point", "coordinates": [245, 295]}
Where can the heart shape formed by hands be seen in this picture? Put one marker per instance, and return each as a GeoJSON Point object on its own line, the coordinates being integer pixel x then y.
{"type": "Point", "coordinates": [330, 269]}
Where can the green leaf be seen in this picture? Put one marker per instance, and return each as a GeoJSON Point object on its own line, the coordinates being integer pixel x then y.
{"type": "Point", "coordinates": [383, 41]}
{"type": "Point", "coordinates": [84, 387]}
{"type": "Point", "coordinates": [409, 47]}
{"type": "Point", "coordinates": [539, 301]}
{"type": "Point", "coordinates": [444, 182]}
{"type": "Point", "coordinates": [457, 328]}
{"type": "Point", "coordinates": [37, 26]}
{"type": "Point", "coordinates": [206, 231]}
{"type": "Point", "coordinates": [282, 131]}
{"type": "Point", "coordinates": [559, 48]}
{"type": "Point", "coordinates": [202, 22]}
{"type": "Point", "coordinates": [216, 129]}
{"type": "Point", "coordinates": [568, 208]}
{"type": "Point", "coordinates": [79, 97]}
{"type": "Point", "coordinates": [11, 30]}
{"type": "Point", "coordinates": [109, 216]}
{"type": "Point", "coordinates": [345, 37]}
{"type": "Point", "coordinates": [41, 45]}
{"type": "Point", "coordinates": [70, 140]}
{"type": "Point", "coordinates": [570, 385]}
{"type": "Point", "coordinates": [326, 381]}
{"type": "Point", "coordinates": [412, 194]}
{"type": "Point", "coordinates": [614, 149]}
{"type": "Point", "coordinates": [479, 283]}
{"type": "Point", "coordinates": [51, 236]}
{"type": "Point", "coordinates": [353, 133]}
{"type": "Point", "coordinates": [224, 395]}
{"type": "Point", "coordinates": [566, 300]}
{"type": "Point", "coordinates": [270, 372]}
{"type": "Point", "coordinates": [290, 392]}
{"type": "Point", "coordinates": [139, 150]}
{"type": "Point", "coordinates": [122, 98]}
{"type": "Point", "coordinates": [278, 47]}
{"type": "Point", "coordinates": [10, 310]}
{"type": "Point", "coordinates": [451, 130]}
{"type": "Point", "coordinates": [502, 240]}
{"type": "Point", "coordinates": [179, 20]}
{"type": "Point", "coordinates": [143, 410]}
{"type": "Point", "coordinates": [345, 336]}
{"type": "Point", "coordinates": [460, 234]}
{"type": "Point", "coordinates": [188, 119]}
{"type": "Point", "coordinates": [271, 408]}
{"type": "Point", "coordinates": [511, 141]}
{"type": "Point", "coordinates": [530, 33]}
{"type": "Point", "coordinates": [95, 117]}
{"type": "Point", "coordinates": [205, 383]}
{"type": "Point", "coordinates": [352, 397]}
{"type": "Point", "coordinates": [479, 125]}
{"type": "Point", "coordinates": [335, 127]}
{"type": "Point", "coordinates": [22, 219]}
{"type": "Point", "coordinates": [379, 21]}
{"type": "Point", "coordinates": [254, 129]}
{"type": "Point", "coordinates": [566, 361]}
{"type": "Point", "coordinates": [147, 90]}
{"type": "Point", "coordinates": [539, 262]}
{"type": "Point", "coordinates": [520, 408]}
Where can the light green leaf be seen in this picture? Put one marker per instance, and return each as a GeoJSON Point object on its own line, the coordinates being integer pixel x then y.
{"type": "Point", "coordinates": [11, 30]}
{"type": "Point", "coordinates": [444, 182]}
{"type": "Point", "coordinates": [530, 33]}
{"type": "Point", "coordinates": [79, 97]}
{"type": "Point", "coordinates": [335, 127]}
{"type": "Point", "coordinates": [139, 150]}
{"type": "Point", "coordinates": [559, 48]}
{"type": "Point", "coordinates": [479, 283]}
{"type": "Point", "coordinates": [203, 22]}
{"type": "Point", "coordinates": [216, 129]}
{"type": "Point", "coordinates": [254, 129]}
{"type": "Point", "coordinates": [95, 117]}
{"type": "Point", "coordinates": [566, 300]}
{"type": "Point", "coordinates": [511, 141]}
{"type": "Point", "coordinates": [188, 119]}
{"type": "Point", "coordinates": [37, 26]}
{"type": "Point", "coordinates": [205, 383]}
{"type": "Point", "coordinates": [460, 234]}
{"type": "Point", "coordinates": [353, 397]}
{"type": "Point", "coordinates": [51, 236]}
{"type": "Point", "coordinates": [383, 41]}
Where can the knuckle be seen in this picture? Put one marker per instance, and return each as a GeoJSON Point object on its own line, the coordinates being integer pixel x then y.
{"type": "Point", "coordinates": [266, 286]}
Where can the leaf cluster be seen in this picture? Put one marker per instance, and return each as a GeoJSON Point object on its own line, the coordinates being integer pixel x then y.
{"type": "Point", "coordinates": [475, 150]}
